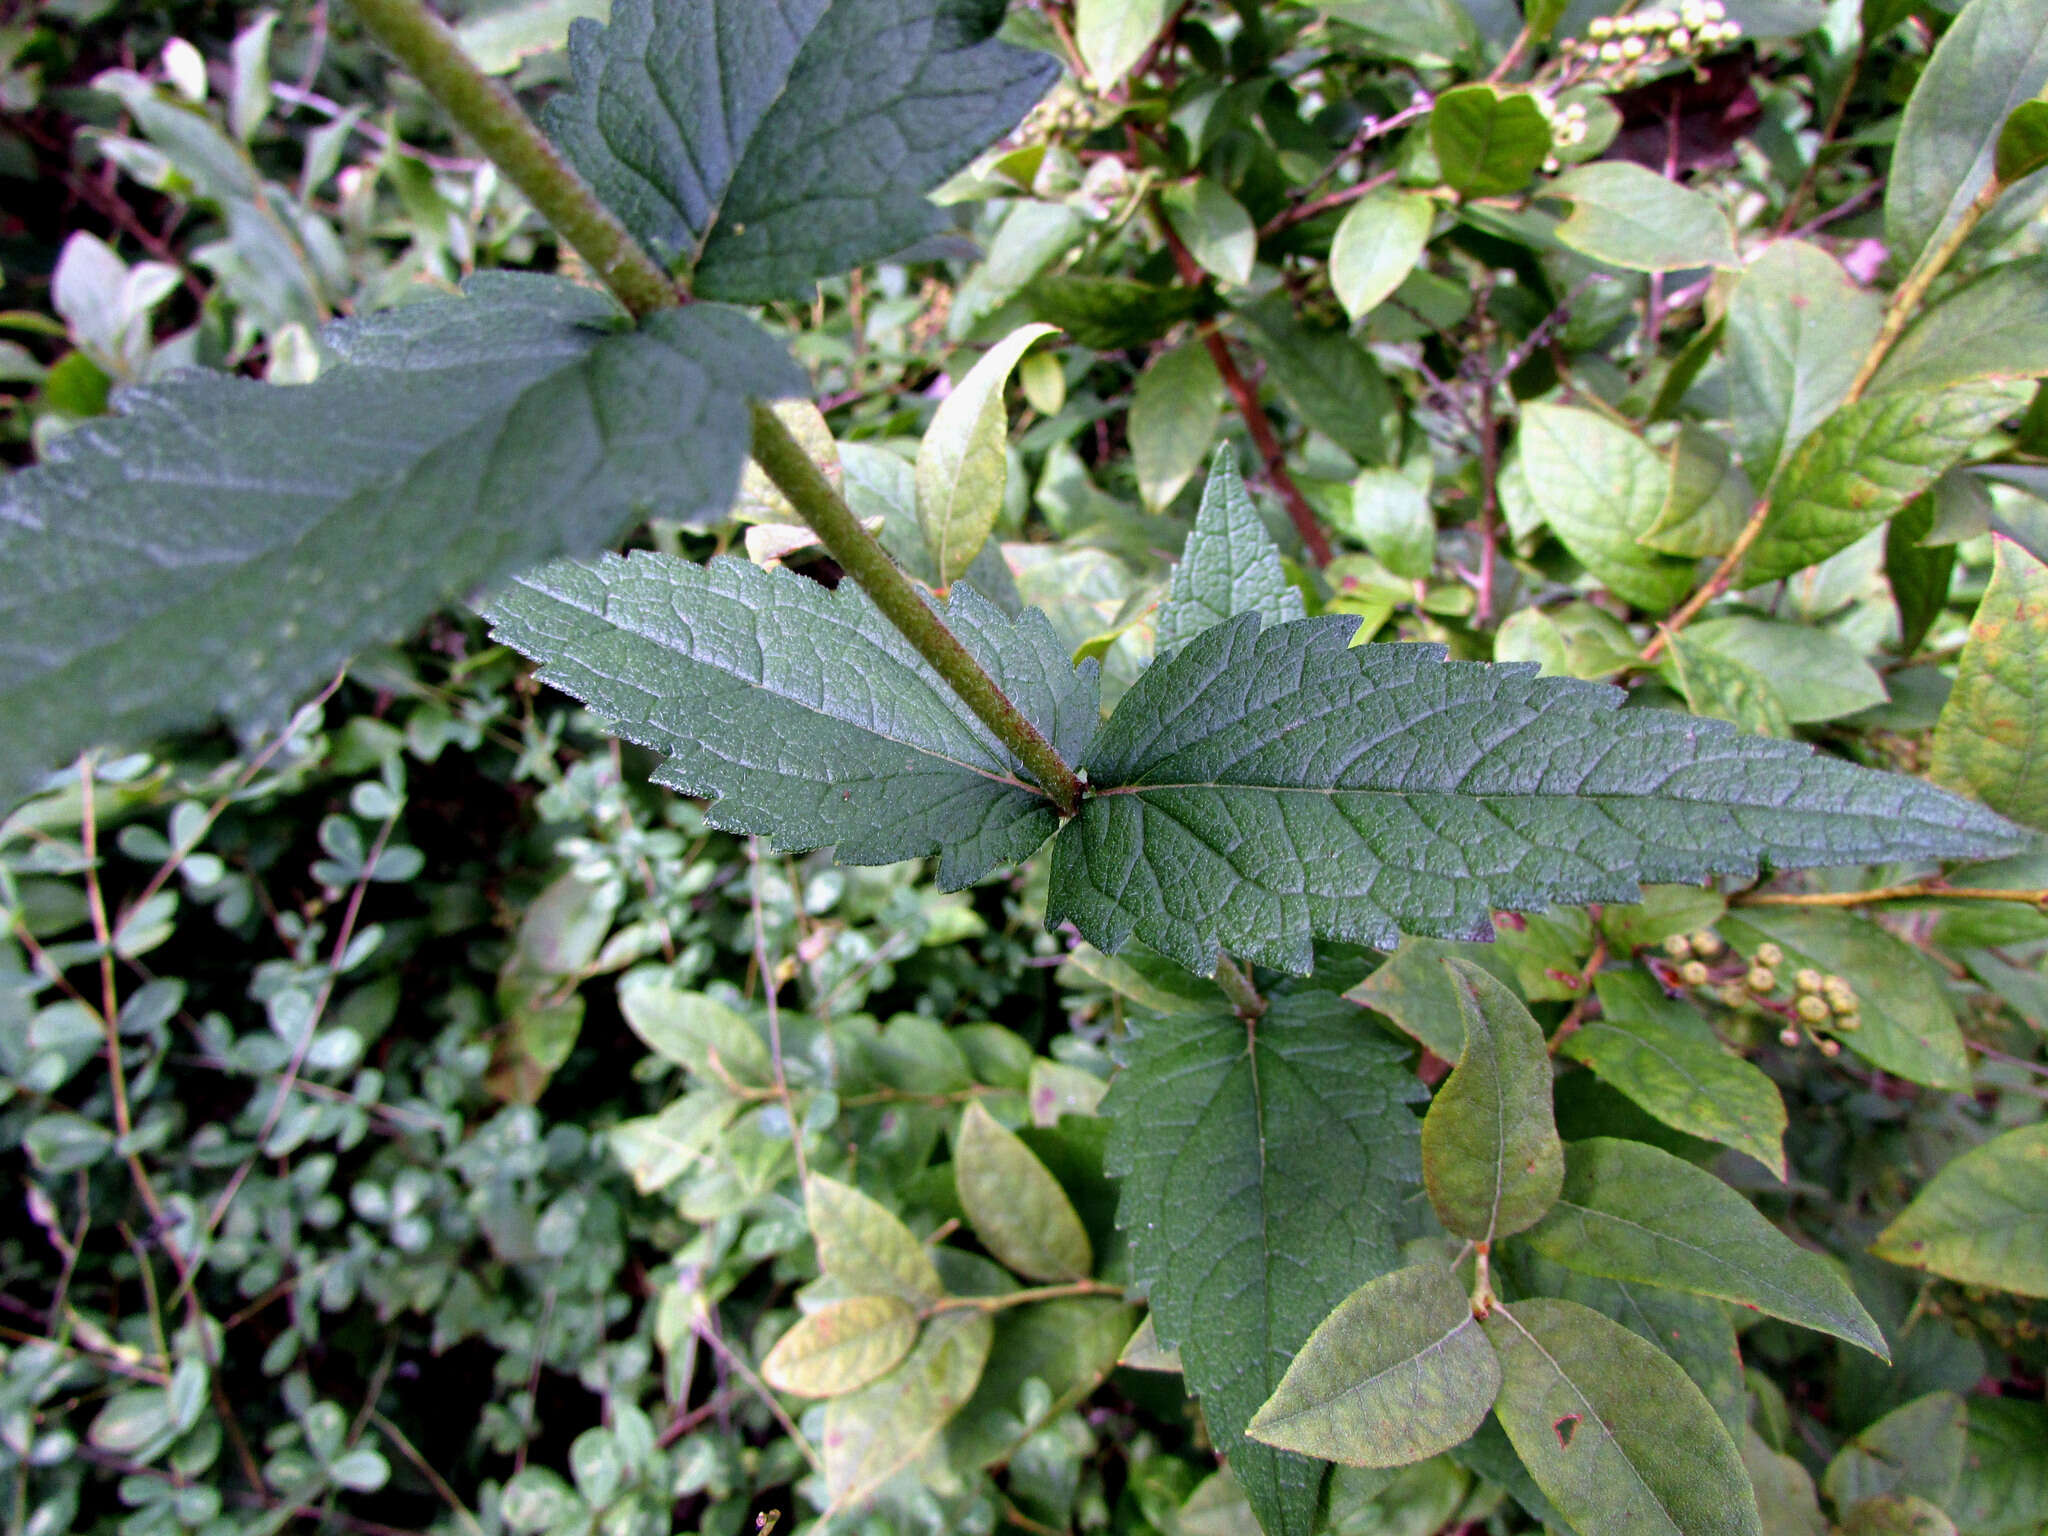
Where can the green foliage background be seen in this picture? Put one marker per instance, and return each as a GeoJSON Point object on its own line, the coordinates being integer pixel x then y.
{"type": "Point", "coordinates": [401, 1102]}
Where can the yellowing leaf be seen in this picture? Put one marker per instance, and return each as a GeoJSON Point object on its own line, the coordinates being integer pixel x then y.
{"type": "Point", "coordinates": [1992, 740]}
{"type": "Point", "coordinates": [863, 1246]}
{"type": "Point", "coordinates": [1983, 1219]}
{"type": "Point", "coordinates": [841, 1347]}
{"type": "Point", "coordinates": [962, 465]}
{"type": "Point", "coordinates": [873, 1434]}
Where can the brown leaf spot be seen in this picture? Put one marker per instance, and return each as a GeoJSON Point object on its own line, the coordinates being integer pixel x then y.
{"type": "Point", "coordinates": [1564, 1429]}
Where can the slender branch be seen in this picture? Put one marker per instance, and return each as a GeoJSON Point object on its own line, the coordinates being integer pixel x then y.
{"type": "Point", "coordinates": [1924, 890]}
{"type": "Point", "coordinates": [487, 112]}
{"type": "Point", "coordinates": [1022, 1298]}
{"type": "Point", "coordinates": [1804, 190]}
{"type": "Point", "coordinates": [1906, 302]}
{"type": "Point", "coordinates": [784, 461]}
{"type": "Point", "coordinates": [1237, 986]}
{"type": "Point", "coordinates": [1246, 397]}
{"type": "Point", "coordinates": [769, 987]}
{"type": "Point", "coordinates": [1715, 585]}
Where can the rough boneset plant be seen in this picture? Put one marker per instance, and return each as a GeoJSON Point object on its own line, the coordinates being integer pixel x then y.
{"type": "Point", "coordinates": [1265, 787]}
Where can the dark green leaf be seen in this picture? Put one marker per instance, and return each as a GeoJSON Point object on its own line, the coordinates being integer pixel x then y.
{"type": "Point", "coordinates": [803, 711]}
{"type": "Point", "coordinates": [1173, 421]}
{"type": "Point", "coordinates": [1261, 788]}
{"type": "Point", "coordinates": [2004, 1487]}
{"type": "Point", "coordinates": [1992, 741]}
{"type": "Point", "coordinates": [2022, 147]}
{"type": "Point", "coordinates": [1989, 63]}
{"type": "Point", "coordinates": [1614, 1433]}
{"type": "Point", "coordinates": [1488, 143]}
{"type": "Point", "coordinates": [1110, 313]}
{"type": "Point", "coordinates": [1983, 1219]}
{"type": "Point", "coordinates": [1327, 377]}
{"type": "Point", "coordinates": [1920, 575]}
{"type": "Point", "coordinates": [1230, 565]}
{"type": "Point", "coordinates": [1631, 1212]}
{"type": "Point", "coordinates": [723, 132]}
{"type": "Point", "coordinates": [1868, 460]}
{"type": "Point", "coordinates": [1491, 1159]}
{"type": "Point", "coordinates": [1415, 989]}
{"type": "Point", "coordinates": [223, 546]}
{"type": "Point", "coordinates": [1263, 1171]}
{"type": "Point", "coordinates": [1915, 1450]}
{"type": "Point", "coordinates": [1995, 330]}
{"type": "Point", "coordinates": [1399, 1372]}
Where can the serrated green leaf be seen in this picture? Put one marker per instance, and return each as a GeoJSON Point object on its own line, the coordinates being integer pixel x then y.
{"type": "Point", "coordinates": [1993, 330]}
{"type": "Point", "coordinates": [1631, 1212]}
{"type": "Point", "coordinates": [204, 553]}
{"type": "Point", "coordinates": [1992, 739]}
{"type": "Point", "coordinates": [1864, 463]}
{"type": "Point", "coordinates": [1908, 1027]}
{"type": "Point", "coordinates": [1626, 215]}
{"type": "Point", "coordinates": [1915, 1450]}
{"type": "Point", "coordinates": [1989, 63]}
{"type": "Point", "coordinates": [1724, 687]}
{"type": "Point", "coordinates": [1015, 1206]}
{"type": "Point", "coordinates": [803, 711]}
{"type": "Point", "coordinates": [1399, 1372]}
{"type": "Point", "coordinates": [873, 1434]}
{"type": "Point", "coordinates": [1263, 1170]}
{"type": "Point", "coordinates": [1173, 417]}
{"type": "Point", "coordinates": [1229, 566]}
{"type": "Point", "coordinates": [1706, 501]}
{"type": "Point", "coordinates": [1488, 143]}
{"type": "Point", "coordinates": [1601, 488]}
{"type": "Point", "coordinates": [1491, 1159]}
{"type": "Point", "coordinates": [1666, 1058]}
{"type": "Point", "coordinates": [1414, 988]}
{"type": "Point", "coordinates": [1113, 35]}
{"type": "Point", "coordinates": [1615, 1434]}
{"type": "Point", "coordinates": [1214, 227]}
{"type": "Point", "coordinates": [1378, 244]}
{"type": "Point", "coordinates": [710, 128]}
{"type": "Point", "coordinates": [1797, 332]}
{"type": "Point", "coordinates": [841, 1347]}
{"type": "Point", "coordinates": [1259, 789]}
{"type": "Point", "coordinates": [963, 462]}
{"type": "Point", "coordinates": [865, 1247]}
{"type": "Point", "coordinates": [1983, 1219]}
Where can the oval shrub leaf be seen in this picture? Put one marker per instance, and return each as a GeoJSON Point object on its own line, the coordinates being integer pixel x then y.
{"type": "Point", "coordinates": [1628, 216]}
{"type": "Point", "coordinates": [873, 1434]}
{"type": "Point", "coordinates": [1377, 246]}
{"type": "Point", "coordinates": [1992, 740]}
{"type": "Point", "coordinates": [863, 1245]}
{"type": "Point", "coordinates": [1983, 1219]}
{"type": "Point", "coordinates": [962, 464]}
{"type": "Point", "coordinates": [1015, 1206]}
{"type": "Point", "coordinates": [841, 1347]}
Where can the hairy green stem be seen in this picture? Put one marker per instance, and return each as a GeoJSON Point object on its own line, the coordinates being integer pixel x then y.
{"type": "Point", "coordinates": [784, 461]}
{"type": "Point", "coordinates": [1236, 984]}
{"type": "Point", "coordinates": [487, 112]}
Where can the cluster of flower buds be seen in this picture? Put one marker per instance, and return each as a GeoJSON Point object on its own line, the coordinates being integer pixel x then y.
{"type": "Point", "coordinates": [1568, 125]}
{"type": "Point", "coordinates": [1624, 46]}
{"type": "Point", "coordinates": [1817, 1005]}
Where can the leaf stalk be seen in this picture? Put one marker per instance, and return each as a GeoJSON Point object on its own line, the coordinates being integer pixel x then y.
{"type": "Point", "coordinates": [784, 461]}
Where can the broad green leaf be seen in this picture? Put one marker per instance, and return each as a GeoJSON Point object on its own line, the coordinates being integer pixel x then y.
{"type": "Point", "coordinates": [502, 39]}
{"type": "Point", "coordinates": [1172, 422]}
{"type": "Point", "coordinates": [1664, 911]}
{"type": "Point", "coordinates": [760, 500]}
{"type": "Point", "coordinates": [803, 711]}
{"type": "Point", "coordinates": [1815, 673]}
{"type": "Point", "coordinates": [1990, 62]}
{"type": "Point", "coordinates": [865, 1247]}
{"type": "Point", "coordinates": [1327, 376]}
{"type": "Point", "coordinates": [1992, 740]}
{"type": "Point", "coordinates": [1261, 788]}
{"type": "Point", "coordinates": [1114, 34]}
{"type": "Point", "coordinates": [1666, 1058]}
{"type": "Point", "coordinates": [963, 463]}
{"type": "Point", "coordinates": [1391, 515]}
{"type": "Point", "coordinates": [1417, 990]}
{"type": "Point", "coordinates": [1631, 1212]}
{"type": "Point", "coordinates": [1897, 1514]}
{"type": "Point", "coordinates": [1575, 640]}
{"type": "Point", "coordinates": [1015, 1206]}
{"type": "Point", "coordinates": [1627, 216]}
{"type": "Point", "coordinates": [2004, 1487]}
{"type": "Point", "coordinates": [203, 553]}
{"type": "Point", "coordinates": [1263, 1172]}
{"type": "Point", "coordinates": [1907, 1026]}
{"type": "Point", "coordinates": [1229, 565]}
{"type": "Point", "coordinates": [1706, 501]}
{"type": "Point", "coordinates": [1798, 329]}
{"type": "Point", "coordinates": [2022, 147]}
{"type": "Point", "coordinates": [1214, 227]}
{"type": "Point", "coordinates": [1399, 1372]}
{"type": "Point", "coordinates": [728, 134]}
{"type": "Point", "coordinates": [1914, 1450]}
{"type": "Point", "coordinates": [133, 1422]}
{"type": "Point", "coordinates": [1785, 1497]}
{"type": "Point", "coordinates": [1150, 982]}
{"type": "Point", "coordinates": [1864, 463]}
{"type": "Point", "coordinates": [1491, 1159]}
{"type": "Point", "coordinates": [1995, 330]}
{"type": "Point", "coordinates": [841, 1347]}
{"type": "Point", "coordinates": [1615, 1434]}
{"type": "Point", "coordinates": [1601, 488]}
{"type": "Point", "coordinates": [1046, 1358]}
{"type": "Point", "coordinates": [1377, 246]}
{"type": "Point", "coordinates": [1983, 1219]}
{"type": "Point", "coordinates": [873, 1434]}
{"type": "Point", "coordinates": [1488, 143]}
{"type": "Point", "coordinates": [694, 1031]}
{"type": "Point", "coordinates": [1429, 34]}
{"type": "Point", "coordinates": [1724, 687]}
{"type": "Point", "coordinates": [1919, 575]}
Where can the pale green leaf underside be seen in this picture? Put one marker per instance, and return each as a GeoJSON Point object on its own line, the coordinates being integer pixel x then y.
{"type": "Point", "coordinates": [841, 1347]}
{"type": "Point", "coordinates": [802, 710]}
{"type": "Point", "coordinates": [873, 1434]}
{"type": "Point", "coordinates": [1263, 788]}
{"type": "Point", "coordinates": [1230, 565]}
{"type": "Point", "coordinates": [1263, 1174]}
{"type": "Point", "coordinates": [1399, 1372]}
{"type": "Point", "coordinates": [774, 142]}
{"type": "Point", "coordinates": [204, 552]}
{"type": "Point", "coordinates": [1615, 1434]}
{"type": "Point", "coordinates": [1631, 1212]}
